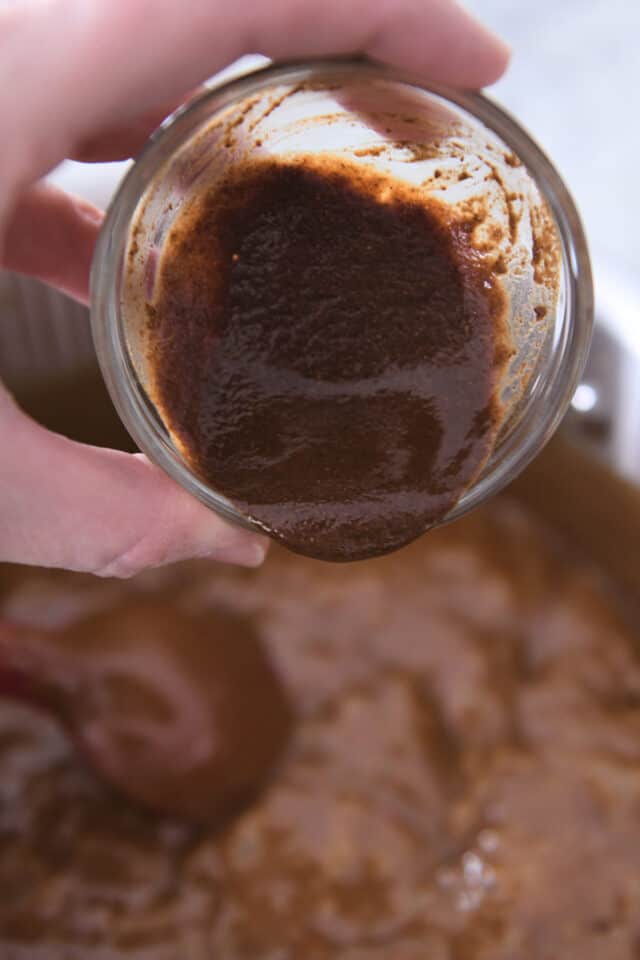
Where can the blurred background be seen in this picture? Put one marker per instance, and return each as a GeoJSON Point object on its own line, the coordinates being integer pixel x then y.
{"type": "Point", "coordinates": [573, 82]}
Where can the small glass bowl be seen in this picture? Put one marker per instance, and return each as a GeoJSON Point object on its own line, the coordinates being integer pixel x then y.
{"type": "Point", "coordinates": [458, 143]}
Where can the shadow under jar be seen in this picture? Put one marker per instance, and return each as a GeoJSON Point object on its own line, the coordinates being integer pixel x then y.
{"type": "Point", "coordinates": [340, 308]}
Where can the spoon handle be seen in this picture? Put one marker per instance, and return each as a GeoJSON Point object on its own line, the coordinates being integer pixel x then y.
{"type": "Point", "coordinates": [19, 677]}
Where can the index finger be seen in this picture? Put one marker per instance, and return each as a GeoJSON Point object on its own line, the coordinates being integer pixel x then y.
{"type": "Point", "coordinates": [104, 62]}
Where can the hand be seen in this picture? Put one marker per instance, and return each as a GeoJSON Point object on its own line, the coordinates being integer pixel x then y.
{"type": "Point", "coordinates": [91, 79]}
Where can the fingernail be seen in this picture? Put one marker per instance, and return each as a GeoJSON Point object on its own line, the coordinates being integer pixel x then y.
{"type": "Point", "coordinates": [504, 49]}
{"type": "Point", "coordinates": [245, 553]}
{"type": "Point", "coordinates": [92, 214]}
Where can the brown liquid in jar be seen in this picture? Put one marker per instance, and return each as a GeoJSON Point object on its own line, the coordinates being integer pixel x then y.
{"type": "Point", "coordinates": [324, 346]}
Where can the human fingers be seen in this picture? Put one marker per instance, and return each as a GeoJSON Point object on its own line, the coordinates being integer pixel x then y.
{"type": "Point", "coordinates": [101, 511]}
{"type": "Point", "coordinates": [51, 235]}
{"type": "Point", "coordinates": [124, 140]}
{"type": "Point", "coordinates": [116, 59]}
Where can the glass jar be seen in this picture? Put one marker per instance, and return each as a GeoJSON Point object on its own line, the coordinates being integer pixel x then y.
{"type": "Point", "coordinates": [457, 143]}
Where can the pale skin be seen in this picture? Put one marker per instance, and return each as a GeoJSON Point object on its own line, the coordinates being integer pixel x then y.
{"type": "Point", "coordinates": [90, 79]}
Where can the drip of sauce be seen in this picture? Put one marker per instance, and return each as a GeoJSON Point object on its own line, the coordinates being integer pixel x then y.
{"type": "Point", "coordinates": [324, 345]}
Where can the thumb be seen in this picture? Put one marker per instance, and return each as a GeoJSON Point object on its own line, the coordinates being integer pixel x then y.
{"type": "Point", "coordinates": [64, 504]}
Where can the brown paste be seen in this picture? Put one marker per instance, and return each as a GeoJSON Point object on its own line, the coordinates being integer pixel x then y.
{"type": "Point", "coordinates": [463, 782]}
{"type": "Point", "coordinates": [325, 346]}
